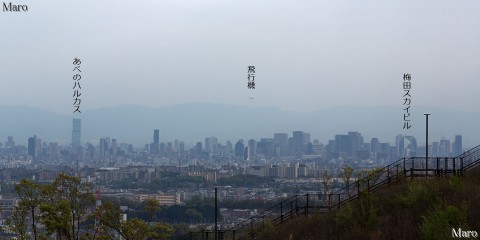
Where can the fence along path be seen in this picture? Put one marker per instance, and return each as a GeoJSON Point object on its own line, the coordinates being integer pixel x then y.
{"type": "Point", "coordinates": [414, 167]}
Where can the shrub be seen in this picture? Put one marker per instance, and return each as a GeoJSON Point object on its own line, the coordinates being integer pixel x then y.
{"type": "Point", "coordinates": [440, 220]}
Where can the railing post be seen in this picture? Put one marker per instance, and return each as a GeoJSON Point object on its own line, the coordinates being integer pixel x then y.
{"type": "Point", "coordinates": [388, 174]}
{"type": "Point", "coordinates": [358, 187]}
{"type": "Point", "coordinates": [306, 210]}
{"type": "Point", "coordinates": [339, 200]}
{"type": "Point", "coordinates": [446, 166]}
{"type": "Point", "coordinates": [291, 208]}
{"type": "Point", "coordinates": [251, 227]}
{"type": "Point", "coordinates": [454, 168]}
{"type": "Point", "coordinates": [413, 166]}
{"type": "Point", "coordinates": [281, 212]}
{"type": "Point", "coordinates": [296, 204]}
{"type": "Point", "coordinates": [426, 167]}
{"type": "Point", "coordinates": [329, 203]}
{"type": "Point", "coordinates": [461, 165]}
{"type": "Point", "coordinates": [438, 170]}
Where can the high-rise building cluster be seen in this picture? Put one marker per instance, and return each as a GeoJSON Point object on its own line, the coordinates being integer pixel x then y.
{"type": "Point", "coordinates": [350, 148]}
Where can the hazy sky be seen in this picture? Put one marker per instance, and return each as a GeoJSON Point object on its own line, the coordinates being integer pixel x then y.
{"type": "Point", "coordinates": [309, 55]}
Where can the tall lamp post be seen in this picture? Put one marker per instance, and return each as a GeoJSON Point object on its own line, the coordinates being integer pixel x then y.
{"type": "Point", "coordinates": [426, 145]}
{"type": "Point", "coordinates": [216, 215]}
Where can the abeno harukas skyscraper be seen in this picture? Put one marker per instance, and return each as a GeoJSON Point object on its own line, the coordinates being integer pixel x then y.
{"type": "Point", "coordinates": [76, 132]}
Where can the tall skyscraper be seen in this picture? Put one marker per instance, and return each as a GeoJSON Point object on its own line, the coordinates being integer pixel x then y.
{"type": "Point", "coordinates": [211, 145]}
{"type": "Point", "coordinates": [355, 140]}
{"type": "Point", "coordinates": [76, 132]}
{"type": "Point", "coordinates": [298, 141]}
{"type": "Point", "coordinates": [155, 146]}
{"type": "Point", "coordinates": [252, 150]}
{"type": "Point", "coordinates": [107, 143]}
{"type": "Point", "coordinates": [265, 146]}
{"type": "Point", "coordinates": [412, 147]}
{"type": "Point", "coordinates": [229, 146]}
{"type": "Point", "coordinates": [53, 150]}
{"type": "Point", "coordinates": [375, 145]}
{"type": "Point", "coordinates": [400, 145]}
{"type": "Point", "coordinates": [181, 147]}
{"type": "Point", "coordinates": [114, 148]}
{"type": "Point", "coordinates": [306, 138]}
{"type": "Point", "coordinates": [156, 136]}
{"type": "Point", "coordinates": [318, 148]}
{"type": "Point", "coordinates": [198, 150]}
{"type": "Point", "coordinates": [10, 142]}
{"type": "Point", "coordinates": [162, 149]}
{"type": "Point", "coordinates": [435, 149]}
{"type": "Point", "coordinates": [169, 149]}
{"type": "Point", "coordinates": [32, 146]}
{"type": "Point", "coordinates": [175, 145]}
{"type": "Point", "coordinates": [102, 148]}
{"type": "Point", "coordinates": [445, 148]}
{"type": "Point", "coordinates": [457, 145]}
{"type": "Point", "coordinates": [281, 140]}
{"type": "Point", "coordinates": [239, 147]}
{"type": "Point", "coordinates": [342, 144]}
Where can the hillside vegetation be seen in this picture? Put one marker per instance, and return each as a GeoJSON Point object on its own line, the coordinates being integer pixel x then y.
{"type": "Point", "coordinates": [407, 209]}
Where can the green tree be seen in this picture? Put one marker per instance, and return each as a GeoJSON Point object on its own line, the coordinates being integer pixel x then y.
{"type": "Point", "coordinates": [160, 231]}
{"type": "Point", "coordinates": [65, 208]}
{"type": "Point", "coordinates": [152, 207]}
{"type": "Point", "coordinates": [18, 222]}
{"type": "Point", "coordinates": [326, 181]}
{"type": "Point", "coordinates": [30, 197]}
{"type": "Point", "coordinates": [113, 226]}
{"type": "Point", "coordinates": [56, 218]}
{"type": "Point", "coordinates": [62, 207]}
{"type": "Point", "coordinates": [135, 229]}
{"type": "Point", "coordinates": [193, 214]}
{"type": "Point", "coordinates": [74, 197]}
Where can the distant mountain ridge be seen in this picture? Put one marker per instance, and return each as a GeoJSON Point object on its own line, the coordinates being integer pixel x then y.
{"type": "Point", "coordinates": [195, 121]}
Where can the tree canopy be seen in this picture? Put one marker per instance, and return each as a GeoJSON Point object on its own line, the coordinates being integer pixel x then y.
{"type": "Point", "coordinates": [66, 209]}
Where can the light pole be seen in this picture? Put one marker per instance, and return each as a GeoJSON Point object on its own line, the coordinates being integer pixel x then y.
{"type": "Point", "coordinates": [216, 214]}
{"type": "Point", "coordinates": [426, 145]}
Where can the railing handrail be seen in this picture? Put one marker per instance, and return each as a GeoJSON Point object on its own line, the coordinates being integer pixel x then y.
{"type": "Point", "coordinates": [402, 162]}
{"type": "Point", "coordinates": [464, 154]}
{"type": "Point", "coordinates": [266, 211]}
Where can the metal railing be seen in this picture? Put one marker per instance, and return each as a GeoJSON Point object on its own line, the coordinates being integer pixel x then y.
{"type": "Point", "coordinates": [374, 180]}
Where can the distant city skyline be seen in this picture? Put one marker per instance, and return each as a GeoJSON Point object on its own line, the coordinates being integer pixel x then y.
{"type": "Point", "coordinates": [350, 147]}
{"type": "Point", "coordinates": [190, 123]}
{"type": "Point", "coordinates": [293, 143]}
